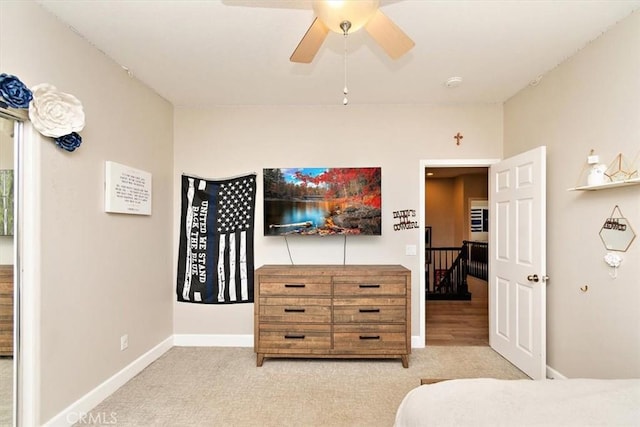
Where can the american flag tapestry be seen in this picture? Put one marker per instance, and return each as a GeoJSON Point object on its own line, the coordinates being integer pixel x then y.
{"type": "Point", "coordinates": [215, 258]}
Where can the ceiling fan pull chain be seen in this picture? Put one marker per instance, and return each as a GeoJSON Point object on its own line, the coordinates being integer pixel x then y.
{"type": "Point", "coordinates": [345, 25]}
{"type": "Point", "coordinates": [345, 101]}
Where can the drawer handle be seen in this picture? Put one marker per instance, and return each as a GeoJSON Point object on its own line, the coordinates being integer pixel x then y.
{"type": "Point", "coordinates": [369, 337]}
{"type": "Point", "coordinates": [294, 337]}
{"type": "Point", "coordinates": [294, 310]}
{"type": "Point", "coordinates": [369, 310]}
{"type": "Point", "coordinates": [294, 285]}
{"type": "Point", "coordinates": [369, 286]}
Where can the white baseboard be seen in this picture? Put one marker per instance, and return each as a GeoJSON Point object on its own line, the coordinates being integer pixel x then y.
{"type": "Point", "coordinates": [417, 342]}
{"type": "Point", "coordinates": [202, 340]}
{"type": "Point", "coordinates": [81, 410]}
{"type": "Point", "coordinates": [554, 375]}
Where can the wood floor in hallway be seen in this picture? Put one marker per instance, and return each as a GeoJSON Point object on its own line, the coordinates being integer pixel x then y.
{"type": "Point", "coordinates": [460, 322]}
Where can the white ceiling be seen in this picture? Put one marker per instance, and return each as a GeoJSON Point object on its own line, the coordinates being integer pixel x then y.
{"type": "Point", "coordinates": [235, 52]}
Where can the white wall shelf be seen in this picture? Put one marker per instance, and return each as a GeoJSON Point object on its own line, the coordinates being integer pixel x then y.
{"type": "Point", "coordinates": [634, 181]}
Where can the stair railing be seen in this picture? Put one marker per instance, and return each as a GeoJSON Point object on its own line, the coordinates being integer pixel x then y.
{"type": "Point", "coordinates": [478, 259]}
{"type": "Point", "coordinates": [446, 273]}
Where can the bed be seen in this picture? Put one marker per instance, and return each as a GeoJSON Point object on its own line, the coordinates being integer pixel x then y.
{"type": "Point", "coordinates": [491, 402]}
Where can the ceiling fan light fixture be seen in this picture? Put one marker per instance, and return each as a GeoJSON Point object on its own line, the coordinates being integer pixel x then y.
{"type": "Point", "coordinates": [333, 13]}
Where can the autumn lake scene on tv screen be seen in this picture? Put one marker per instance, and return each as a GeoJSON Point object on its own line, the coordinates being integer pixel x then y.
{"type": "Point", "coordinates": [322, 201]}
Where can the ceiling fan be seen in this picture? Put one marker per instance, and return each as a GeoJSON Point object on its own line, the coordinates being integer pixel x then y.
{"type": "Point", "coordinates": [346, 17]}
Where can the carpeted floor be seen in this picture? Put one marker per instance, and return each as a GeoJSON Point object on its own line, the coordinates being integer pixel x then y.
{"type": "Point", "coordinates": [6, 391]}
{"type": "Point", "coordinates": [220, 386]}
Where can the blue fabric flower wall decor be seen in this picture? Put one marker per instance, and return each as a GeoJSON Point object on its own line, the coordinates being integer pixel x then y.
{"type": "Point", "coordinates": [14, 92]}
{"type": "Point", "coordinates": [69, 142]}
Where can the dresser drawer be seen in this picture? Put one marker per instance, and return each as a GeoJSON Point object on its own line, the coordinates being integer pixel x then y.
{"type": "Point", "coordinates": [6, 288]}
{"type": "Point", "coordinates": [286, 285]}
{"type": "Point", "coordinates": [303, 310]}
{"type": "Point", "coordinates": [369, 286]}
{"type": "Point", "coordinates": [292, 337]}
{"type": "Point", "coordinates": [370, 313]}
{"type": "Point", "coordinates": [369, 338]}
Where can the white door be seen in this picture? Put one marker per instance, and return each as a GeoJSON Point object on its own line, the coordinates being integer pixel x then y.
{"type": "Point", "coordinates": [517, 266]}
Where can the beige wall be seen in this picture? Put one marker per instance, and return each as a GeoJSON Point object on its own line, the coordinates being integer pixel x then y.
{"type": "Point", "coordinates": [589, 102]}
{"type": "Point", "coordinates": [458, 211]}
{"type": "Point", "coordinates": [439, 208]}
{"type": "Point", "coordinates": [102, 275]}
{"type": "Point", "coordinates": [222, 142]}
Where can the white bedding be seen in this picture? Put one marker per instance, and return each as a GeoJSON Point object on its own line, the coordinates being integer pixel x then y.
{"type": "Point", "coordinates": [490, 402]}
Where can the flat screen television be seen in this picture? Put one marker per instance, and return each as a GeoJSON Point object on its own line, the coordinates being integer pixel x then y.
{"type": "Point", "coordinates": [322, 201]}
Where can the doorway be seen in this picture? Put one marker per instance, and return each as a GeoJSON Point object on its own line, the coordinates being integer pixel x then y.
{"type": "Point", "coordinates": [448, 322]}
{"type": "Point", "coordinates": [452, 196]}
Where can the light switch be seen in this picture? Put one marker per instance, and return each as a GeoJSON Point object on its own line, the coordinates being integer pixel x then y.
{"type": "Point", "coordinates": [411, 250]}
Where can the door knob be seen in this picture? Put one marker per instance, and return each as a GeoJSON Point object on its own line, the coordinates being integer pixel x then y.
{"type": "Point", "coordinates": [533, 278]}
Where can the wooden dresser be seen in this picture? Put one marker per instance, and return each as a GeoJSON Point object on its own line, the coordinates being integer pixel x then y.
{"type": "Point", "coordinates": [6, 310]}
{"type": "Point", "coordinates": [333, 311]}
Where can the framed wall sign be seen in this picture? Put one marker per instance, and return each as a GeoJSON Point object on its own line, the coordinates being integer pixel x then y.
{"type": "Point", "coordinates": [127, 190]}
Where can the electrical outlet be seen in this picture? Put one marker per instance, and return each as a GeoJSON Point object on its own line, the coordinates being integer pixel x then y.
{"type": "Point", "coordinates": [411, 250]}
{"type": "Point", "coordinates": [124, 342]}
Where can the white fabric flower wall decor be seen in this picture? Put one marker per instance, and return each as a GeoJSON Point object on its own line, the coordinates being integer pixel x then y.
{"type": "Point", "coordinates": [54, 113]}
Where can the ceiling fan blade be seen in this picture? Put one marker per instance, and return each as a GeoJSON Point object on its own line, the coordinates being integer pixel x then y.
{"type": "Point", "coordinates": [388, 35]}
{"type": "Point", "coordinates": [310, 43]}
